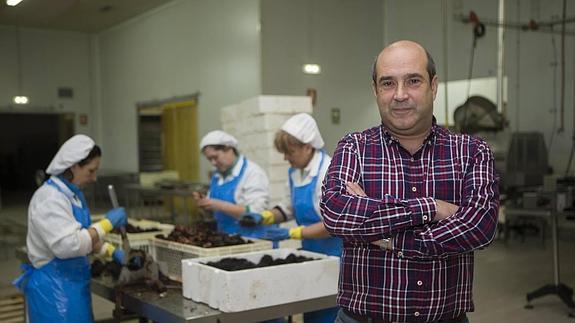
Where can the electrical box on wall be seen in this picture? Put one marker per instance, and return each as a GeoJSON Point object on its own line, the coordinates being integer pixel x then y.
{"type": "Point", "coordinates": [65, 92]}
{"type": "Point", "coordinates": [335, 115]}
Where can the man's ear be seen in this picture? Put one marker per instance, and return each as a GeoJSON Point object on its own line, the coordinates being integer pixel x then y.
{"type": "Point", "coordinates": [374, 88]}
{"type": "Point", "coordinates": [434, 85]}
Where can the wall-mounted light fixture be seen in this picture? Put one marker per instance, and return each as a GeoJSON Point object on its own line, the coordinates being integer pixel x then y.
{"type": "Point", "coordinates": [311, 68]}
{"type": "Point", "coordinates": [13, 3]}
{"type": "Point", "coordinates": [20, 99]}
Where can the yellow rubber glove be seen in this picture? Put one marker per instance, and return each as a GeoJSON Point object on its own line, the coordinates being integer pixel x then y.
{"type": "Point", "coordinates": [268, 217]}
{"type": "Point", "coordinates": [106, 251]}
{"type": "Point", "coordinates": [109, 252]}
{"type": "Point", "coordinates": [103, 227]}
{"type": "Point", "coordinates": [296, 233]}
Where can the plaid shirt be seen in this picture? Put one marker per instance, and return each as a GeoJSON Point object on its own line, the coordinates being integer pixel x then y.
{"type": "Point", "coordinates": [428, 274]}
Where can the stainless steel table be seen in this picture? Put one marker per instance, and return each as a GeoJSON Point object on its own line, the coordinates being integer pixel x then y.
{"type": "Point", "coordinates": [175, 308]}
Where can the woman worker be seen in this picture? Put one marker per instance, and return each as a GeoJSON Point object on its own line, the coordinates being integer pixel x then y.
{"type": "Point", "coordinates": [238, 185]}
{"type": "Point", "coordinates": [60, 236]}
{"type": "Point", "coordinates": [301, 143]}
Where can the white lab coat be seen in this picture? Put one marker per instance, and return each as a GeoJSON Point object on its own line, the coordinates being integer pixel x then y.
{"type": "Point", "coordinates": [253, 188]}
{"type": "Point", "coordinates": [52, 229]}
{"type": "Point", "coordinates": [303, 177]}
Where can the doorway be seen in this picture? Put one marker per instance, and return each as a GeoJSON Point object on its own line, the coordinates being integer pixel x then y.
{"type": "Point", "coordinates": [28, 142]}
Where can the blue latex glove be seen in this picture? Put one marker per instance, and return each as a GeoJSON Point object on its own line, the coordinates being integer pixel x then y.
{"type": "Point", "coordinates": [251, 219]}
{"type": "Point", "coordinates": [118, 256]}
{"type": "Point", "coordinates": [117, 217]}
{"type": "Point", "coordinates": [276, 234]}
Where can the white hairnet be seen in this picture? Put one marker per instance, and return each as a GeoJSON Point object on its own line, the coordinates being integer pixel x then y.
{"type": "Point", "coordinates": [72, 151]}
{"type": "Point", "coordinates": [217, 138]}
{"type": "Point", "coordinates": [303, 127]}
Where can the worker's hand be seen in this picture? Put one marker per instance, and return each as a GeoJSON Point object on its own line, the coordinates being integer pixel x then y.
{"type": "Point", "coordinates": [118, 256]}
{"type": "Point", "coordinates": [114, 218]}
{"type": "Point", "coordinates": [278, 234]}
{"type": "Point", "coordinates": [198, 195]}
{"type": "Point", "coordinates": [96, 247]}
{"type": "Point", "coordinates": [355, 189]}
{"type": "Point", "coordinates": [117, 217]}
{"type": "Point", "coordinates": [444, 210]}
{"type": "Point", "coordinates": [108, 251]}
{"type": "Point", "coordinates": [254, 219]}
{"type": "Point", "coordinates": [209, 204]}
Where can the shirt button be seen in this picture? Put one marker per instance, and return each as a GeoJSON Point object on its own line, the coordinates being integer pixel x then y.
{"type": "Point", "coordinates": [416, 313]}
{"type": "Point", "coordinates": [400, 254]}
{"type": "Point", "coordinates": [419, 283]}
{"type": "Point", "coordinates": [425, 218]}
{"type": "Point", "coordinates": [414, 189]}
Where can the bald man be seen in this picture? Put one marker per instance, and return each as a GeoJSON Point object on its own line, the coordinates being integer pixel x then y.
{"type": "Point", "coordinates": [411, 202]}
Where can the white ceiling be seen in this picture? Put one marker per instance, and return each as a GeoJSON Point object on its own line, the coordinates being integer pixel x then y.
{"type": "Point", "coordinates": [88, 16]}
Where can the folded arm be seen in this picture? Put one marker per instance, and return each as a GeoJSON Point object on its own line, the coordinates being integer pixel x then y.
{"type": "Point", "coordinates": [471, 227]}
{"type": "Point", "coordinates": [358, 218]}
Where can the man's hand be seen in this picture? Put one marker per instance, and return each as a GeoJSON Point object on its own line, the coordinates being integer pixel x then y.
{"type": "Point", "coordinates": [444, 210]}
{"type": "Point", "coordinates": [355, 189]}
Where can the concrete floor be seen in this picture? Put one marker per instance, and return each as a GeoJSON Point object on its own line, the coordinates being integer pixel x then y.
{"type": "Point", "coordinates": [503, 274]}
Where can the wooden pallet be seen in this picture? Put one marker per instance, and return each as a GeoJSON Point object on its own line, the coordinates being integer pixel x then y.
{"type": "Point", "coordinates": [12, 309]}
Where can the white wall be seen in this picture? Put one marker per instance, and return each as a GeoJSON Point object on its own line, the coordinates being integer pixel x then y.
{"type": "Point", "coordinates": [49, 59]}
{"type": "Point", "coordinates": [529, 58]}
{"type": "Point", "coordinates": [211, 46]}
{"type": "Point", "coordinates": [215, 47]}
{"type": "Point", "coordinates": [343, 36]}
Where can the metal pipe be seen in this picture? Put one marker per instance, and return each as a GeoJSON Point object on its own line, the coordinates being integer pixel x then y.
{"type": "Point", "coordinates": [562, 104]}
{"type": "Point", "coordinates": [500, 56]}
{"type": "Point", "coordinates": [445, 61]}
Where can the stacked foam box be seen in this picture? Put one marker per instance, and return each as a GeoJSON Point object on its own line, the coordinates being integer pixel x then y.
{"type": "Point", "coordinates": [254, 122]}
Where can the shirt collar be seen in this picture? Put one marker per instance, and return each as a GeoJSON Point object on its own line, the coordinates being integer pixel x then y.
{"type": "Point", "coordinates": [311, 168]}
{"type": "Point", "coordinates": [234, 170]}
{"type": "Point", "coordinates": [389, 138]}
{"type": "Point", "coordinates": [63, 184]}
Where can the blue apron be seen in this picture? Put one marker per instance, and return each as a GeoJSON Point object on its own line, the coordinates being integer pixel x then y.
{"type": "Point", "coordinates": [304, 212]}
{"type": "Point", "coordinates": [59, 291]}
{"type": "Point", "coordinates": [226, 192]}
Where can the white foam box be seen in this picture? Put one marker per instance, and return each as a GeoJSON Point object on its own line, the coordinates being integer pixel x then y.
{"type": "Point", "coordinates": [233, 291]}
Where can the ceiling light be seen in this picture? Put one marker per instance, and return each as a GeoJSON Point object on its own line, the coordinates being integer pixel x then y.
{"type": "Point", "coordinates": [13, 3]}
{"type": "Point", "coordinates": [311, 69]}
{"type": "Point", "coordinates": [21, 99]}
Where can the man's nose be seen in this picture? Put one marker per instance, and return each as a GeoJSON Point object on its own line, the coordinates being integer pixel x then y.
{"type": "Point", "coordinates": [400, 93]}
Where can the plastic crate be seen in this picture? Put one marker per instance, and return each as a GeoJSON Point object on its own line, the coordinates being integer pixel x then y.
{"type": "Point", "coordinates": [170, 254]}
{"type": "Point", "coordinates": [140, 240]}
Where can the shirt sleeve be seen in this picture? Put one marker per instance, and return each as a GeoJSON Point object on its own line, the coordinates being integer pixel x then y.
{"type": "Point", "coordinates": [254, 189]}
{"type": "Point", "coordinates": [58, 228]}
{"type": "Point", "coordinates": [364, 219]}
{"type": "Point", "coordinates": [474, 224]}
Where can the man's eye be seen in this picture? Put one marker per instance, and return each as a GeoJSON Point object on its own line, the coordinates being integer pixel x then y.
{"type": "Point", "coordinates": [386, 84]}
{"type": "Point", "coordinates": [414, 81]}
